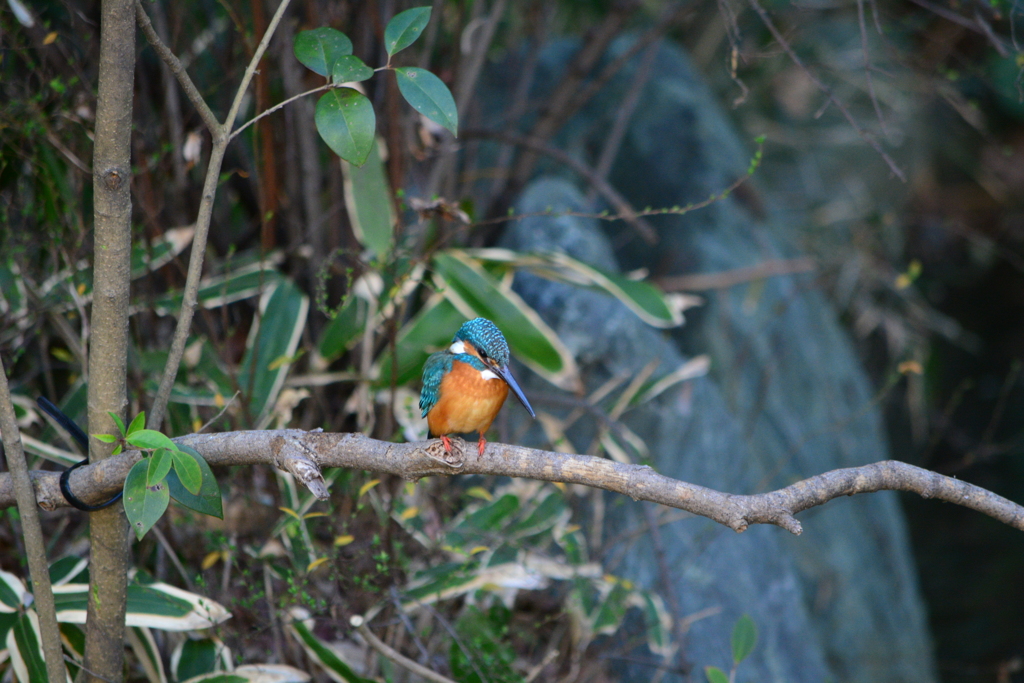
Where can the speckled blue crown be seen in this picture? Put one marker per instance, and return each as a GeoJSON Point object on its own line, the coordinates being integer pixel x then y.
{"type": "Point", "coordinates": [485, 335]}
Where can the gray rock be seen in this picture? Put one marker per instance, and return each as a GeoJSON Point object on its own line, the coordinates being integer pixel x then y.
{"type": "Point", "coordinates": [787, 399]}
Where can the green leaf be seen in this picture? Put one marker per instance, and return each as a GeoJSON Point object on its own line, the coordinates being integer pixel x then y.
{"type": "Point", "coordinates": [346, 122]}
{"type": "Point", "coordinates": [138, 423]}
{"type": "Point", "coordinates": [404, 28]}
{"type": "Point", "coordinates": [106, 438]}
{"type": "Point", "coordinates": [715, 675]}
{"type": "Point", "coordinates": [207, 501]}
{"type": "Point", "coordinates": [368, 199]}
{"type": "Point", "coordinates": [350, 68]}
{"type": "Point", "coordinates": [428, 95]}
{"type": "Point", "coordinates": [324, 656]}
{"type": "Point", "coordinates": [150, 438]}
{"type": "Point", "coordinates": [188, 471]}
{"type": "Point", "coordinates": [475, 292]}
{"type": "Point", "coordinates": [345, 329]}
{"type": "Point", "coordinates": [321, 48]}
{"type": "Point", "coordinates": [143, 505]}
{"type": "Point", "coordinates": [117, 420]}
{"type": "Point", "coordinates": [25, 646]}
{"type": "Point", "coordinates": [613, 610]}
{"type": "Point", "coordinates": [159, 466]}
{"type": "Point", "coordinates": [744, 637]}
{"type": "Point", "coordinates": [283, 311]}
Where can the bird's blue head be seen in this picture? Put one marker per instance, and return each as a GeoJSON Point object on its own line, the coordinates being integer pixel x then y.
{"type": "Point", "coordinates": [486, 338]}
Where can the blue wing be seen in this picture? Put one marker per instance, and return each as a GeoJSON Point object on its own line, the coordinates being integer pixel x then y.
{"type": "Point", "coordinates": [437, 366]}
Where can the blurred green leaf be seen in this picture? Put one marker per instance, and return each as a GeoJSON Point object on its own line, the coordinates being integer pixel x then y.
{"type": "Point", "coordinates": [345, 329]}
{"type": "Point", "coordinates": [346, 122]}
{"type": "Point", "coordinates": [143, 505]}
{"type": "Point", "coordinates": [744, 637]}
{"type": "Point", "coordinates": [240, 282]}
{"type": "Point", "coordinates": [648, 302]}
{"type": "Point", "coordinates": [715, 675]}
{"type": "Point", "coordinates": [350, 68]}
{"type": "Point", "coordinates": [428, 95]}
{"type": "Point", "coordinates": [477, 293]}
{"type": "Point", "coordinates": [404, 28]}
{"type": "Point", "coordinates": [324, 656]}
{"type": "Point", "coordinates": [197, 656]}
{"type": "Point", "coordinates": [276, 333]}
{"type": "Point", "coordinates": [320, 48]}
{"type": "Point", "coordinates": [368, 199]}
{"type": "Point", "coordinates": [146, 653]}
{"type": "Point", "coordinates": [612, 611]}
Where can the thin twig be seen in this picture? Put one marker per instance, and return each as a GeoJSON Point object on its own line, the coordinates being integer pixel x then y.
{"type": "Point", "coordinates": [279, 105]}
{"type": "Point", "coordinates": [401, 660]}
{"type": "Point", "coordinates": [818, 83]}
{"type": "Point", "coordinates": [625, 112]}
{"type": "Point", "coordinates": [190, 299]}
{"type": "Point", "coordinates": [172, 61]}
{"type": "Point", "coordinates": [737, 276]}
{"type": "Point", "coordinates": [610, 194]}
{"type": "Point", "coordinates": [867, 66]}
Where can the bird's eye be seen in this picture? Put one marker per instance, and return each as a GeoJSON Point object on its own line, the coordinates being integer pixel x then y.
{"type": "Point", "coordinates": [483, 355]}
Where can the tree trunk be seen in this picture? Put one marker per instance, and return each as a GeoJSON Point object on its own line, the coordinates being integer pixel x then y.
{"type": "Point", "coordinates": [108, 531]}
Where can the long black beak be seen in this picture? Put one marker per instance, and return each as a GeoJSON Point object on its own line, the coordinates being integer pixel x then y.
{"type": "Point", "coordinates": [506, 375]}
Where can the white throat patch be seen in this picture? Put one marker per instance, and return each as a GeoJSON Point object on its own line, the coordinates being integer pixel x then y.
{"type": "Point", "coordinates": [487, 374]}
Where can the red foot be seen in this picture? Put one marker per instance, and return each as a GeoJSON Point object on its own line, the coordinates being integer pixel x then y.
{"type": "Point", "coordinates": [447, 443]}
{"type": "Point", "coordinates": [480, 445]}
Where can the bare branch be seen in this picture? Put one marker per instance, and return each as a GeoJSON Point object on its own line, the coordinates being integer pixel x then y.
{"type": "Point", "coordinates": [304, 454]}
{"type": "Point", "coordinates": [865, 135]}
{"type": "Point", "coordinates": [32, 531]}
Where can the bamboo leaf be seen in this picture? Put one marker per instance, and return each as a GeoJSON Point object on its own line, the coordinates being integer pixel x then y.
{"type": "Point", "coordinates": [152, 605]}
{"type": "Point", "coordinates": [283, 311]}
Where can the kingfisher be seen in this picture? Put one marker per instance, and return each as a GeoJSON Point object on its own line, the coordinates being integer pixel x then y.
{"type": "Point", "coordinates": [465, 385]}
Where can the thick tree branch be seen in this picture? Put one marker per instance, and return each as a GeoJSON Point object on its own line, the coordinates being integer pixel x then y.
{"type": "Point", "coordinates": [304, 454]}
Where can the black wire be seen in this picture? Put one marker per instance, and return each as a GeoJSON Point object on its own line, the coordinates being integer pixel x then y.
{"type": "Point", "coordinates": [82, 438]}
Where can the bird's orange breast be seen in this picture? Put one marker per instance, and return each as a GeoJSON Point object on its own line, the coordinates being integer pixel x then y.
{"type": "Point", "coordinates": [467, 402]}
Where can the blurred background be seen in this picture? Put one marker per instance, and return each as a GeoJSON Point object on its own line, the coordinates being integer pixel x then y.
{"type": "Point", "coordinates": [859, 297]}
